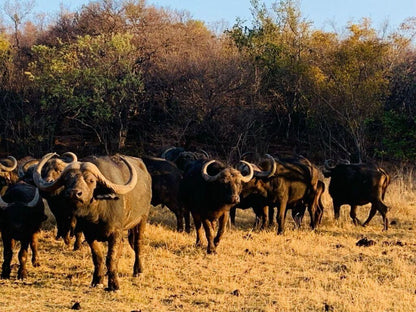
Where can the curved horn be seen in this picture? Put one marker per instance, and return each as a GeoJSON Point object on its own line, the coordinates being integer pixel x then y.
{"type": "Point", "coordinates": [267, 173]}
{"type": "Point", "coordinates": [35, 199]}
{"type": "Point", "coordinates": [328, 165]}
{"type": "Point", "coordinates": [3, 204]}
{"type": "Point", "coordinates": [71, 156]}
{"type": "Point", "coordinates": [21, 171]}
{"type": "Point", "coordinates": [163, 155]}
{"type": "Point", "coordinates": [117, 188]}
{"type": "Point", "coordinates": [205, 174]}
{"type": "Point", "coordinates": [9, 168]}
{"type": "Point", "coordinates": [37, 175]}
{"type": "Point", "coordinates": [248, 177]}
{"type": "Point", "coordinates": [204, 153]}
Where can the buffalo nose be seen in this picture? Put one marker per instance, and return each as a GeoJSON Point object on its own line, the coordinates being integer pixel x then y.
{"type": "Point", "coordinates": [235, 199]}
{"type": "Point", "coordinates": [76, 194]}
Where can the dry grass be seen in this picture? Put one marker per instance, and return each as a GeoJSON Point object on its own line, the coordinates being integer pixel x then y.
{"type": "Point", "coordinates": [253, 271]}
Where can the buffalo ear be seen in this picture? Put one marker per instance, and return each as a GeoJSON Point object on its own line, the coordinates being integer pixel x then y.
{"type": "Point", "coordinates": [103, 192]}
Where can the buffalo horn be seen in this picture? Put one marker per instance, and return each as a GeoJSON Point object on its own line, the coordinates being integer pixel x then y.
{"type": "Point", "coordinates": [25, 167]}
{"type": "Point", "coordinates": [267, 173]}
{"type": "Point", "coordinates": [250, 175]}
{"type": "Point", "coordinates": [3, 204]}
{"type": "Point", "coordinates": [71, 156]}
{"type": "Point", "coordinates": [35, 199]}
{"type": "Point", "coordinates": [163, 155]}
{"type": "Point", "coordinates": [328, 165]}
{"type": "Point", "coordinates": [117, 188]}
{"type": "Point", "coordinates": [31, 204]}
{"type": "Point", "coordinates": [12, 167]}
{"type": "Point", "coordinates": [37, 175]}
{"type": "Point", "coordinates": [204, 172]}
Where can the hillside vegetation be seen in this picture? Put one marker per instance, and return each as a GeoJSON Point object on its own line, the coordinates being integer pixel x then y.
{"type": "Point", "coordinates": [126, 76]}
{"type": "Point", "coordinates": [301, 270]}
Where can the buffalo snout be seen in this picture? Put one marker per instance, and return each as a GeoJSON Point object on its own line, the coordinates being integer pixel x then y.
{"type": "Point", "coordinates": [234, 199]}
{"type": "Point", "coordinates": [75, 194]}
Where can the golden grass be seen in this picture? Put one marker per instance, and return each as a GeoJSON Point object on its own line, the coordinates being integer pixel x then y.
{"type": "Point", "coordinates": [301, 270]}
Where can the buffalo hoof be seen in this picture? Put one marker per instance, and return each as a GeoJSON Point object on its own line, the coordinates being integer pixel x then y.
{"type": "Point", "coordinates": [36, 264]}
{"type": "Point", "coordinates": [5, 275]}
{"type": "Point", "coordinates": [21, 274]}
{"type": "Point", "coordinates": [211, 251]}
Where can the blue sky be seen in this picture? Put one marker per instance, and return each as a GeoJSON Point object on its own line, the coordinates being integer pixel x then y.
{"type": "Point", "coordinates": [323, 13]}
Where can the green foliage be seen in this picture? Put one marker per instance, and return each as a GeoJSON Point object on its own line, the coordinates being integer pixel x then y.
{"type": "Point", "coordinates": [400, 135]}
{"type": "Point", "coordinates": [93, 81]}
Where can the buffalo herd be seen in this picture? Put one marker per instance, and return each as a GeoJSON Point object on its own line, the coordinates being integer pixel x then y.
{"type": "Point", "coordinates": [100, 197]}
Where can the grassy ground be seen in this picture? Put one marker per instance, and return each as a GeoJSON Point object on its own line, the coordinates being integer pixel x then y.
{"type": "Point", "coordinates": [301, 270]}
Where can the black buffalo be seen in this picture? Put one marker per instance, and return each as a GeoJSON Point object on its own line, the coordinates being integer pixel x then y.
{"type": "Point", "coordinates": [58, 203]}
{"type": "Point", "coordinates": [183, 158]}
{"type": "Point", "coordinates": [166, 179]}
{"type": "Point", "coordinates": [358, 184]}
{"type": "Point", "coordinates": [21, 217]}
{"type": "Point", "coordinates": [285, 183]}
{"type": "Point", "coordinates": [105, 205]}
{"type": "Point", "coordinates": [209, 190]}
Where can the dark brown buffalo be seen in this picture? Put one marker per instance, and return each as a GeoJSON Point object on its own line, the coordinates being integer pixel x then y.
{"type": "Point", "coordinates": [356, 185]}
{"type": "Point", "coordinates": [58, 202]}
{"type": "Point", "coordinates": [209, 189]}
{"type": "Point", "coordinates": [8, 172]}
{"type": "Point", "coordinates": [21, 216]}
{"type": "Point", "coordinates": [298, 209]}
{"type": "Point", "coordinates": [108, 195]}
{"type": "Point", "coordinates": [286, 183]}
{"type": "Point", "coordinates": [253, 195]}
{"type": "Point", "coordinates": [166, 178]}
{"type": "Point", "coordinates": [183, 158]}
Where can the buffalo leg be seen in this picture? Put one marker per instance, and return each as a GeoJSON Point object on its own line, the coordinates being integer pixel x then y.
{"type": "Point", "coordinates": [7, 256]}
{"type": "Point", "coordinates": [198, 228]}
{"type": "Point", "coordinates": [179, 220]}
{"type": "Point", "coordinates": [209, 232]}
{"type": "Point", "coordinates": [270, 215]}
{"type": "Point", "coordinates": [337, 209]}
{"type": "Point", "coordinates": [34, 246]}
{"type": "Point", "coordinates": [187, 216]}
{"type": "Point", "coordinates": [298, 211]}
{"type": "Point", "coordinates": [221, 228]}
{"type": "Point", "coordinates": [353, 215]}
{"type": "Point", "coordinates": [280, 217]}
{"type": "Point", "coordinates": [382, 208]}
{"type": "Point", "coordinates": [98, 260]}
{"type": "Point", "coordinates": [136, 242]}
{"type": "Point", "coordinates": [265, 217]}
{"type": "Point", "coordinates": [22, 272]}
{"type": "Point", "coordinates": [78, 240]}
{"type": "Point", "coordinates": [232, 215]}
{"type": "Point", "coordinates": [113, 256]}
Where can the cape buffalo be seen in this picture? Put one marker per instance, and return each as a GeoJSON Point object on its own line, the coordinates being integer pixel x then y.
{"type": "Point", "coordinates": [8, 172]}
{"type": "Point", "coordinates": [286, 183]}
{"type": "Point", "coordinates": [105, 205]}
{"type": "Point", "coordinates": [209, 189]}
{"type": "Point", "coordinates": [358, 184]}
{"type": "Point", "coordinates": [21, 216]}
{"type": "Point", "coordinates": [58, 203]}
{"type": "Point", "coordinates": [183, 158]}
{"type": "Point", "coordinates": [166, 178]}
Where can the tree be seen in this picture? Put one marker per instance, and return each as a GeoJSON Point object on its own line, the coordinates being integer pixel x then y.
{"type": "Point", "coordinates": [351, 85]}
{"type": "Point", "coordinates": [94, 82]}
{"type": "Point", "coordinates": [18, 10]}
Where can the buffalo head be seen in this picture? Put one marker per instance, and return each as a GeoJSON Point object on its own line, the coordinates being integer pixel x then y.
{"type": "Point", "coordinates": [230, 180]}
{"type": "Point", "coordinates": [83, 182]}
